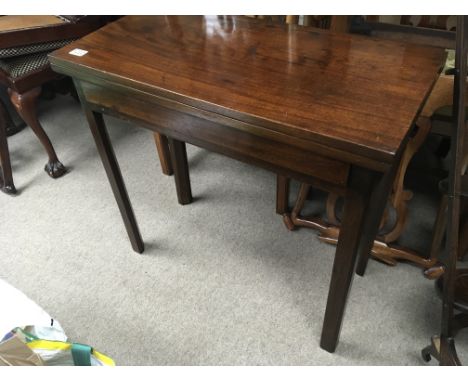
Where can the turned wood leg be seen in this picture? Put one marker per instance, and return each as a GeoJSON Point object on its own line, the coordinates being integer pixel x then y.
{"type": "Point", "coordinates": [106, 152]}
{"type": "Point", "coordinates": [282, 194]}
{"type": "Point", "coordinates": [181, 170]}
{"type": "Point", "coordinates": [6, 181]}
{"type": "Point", "coordinates": [162, 146]}
{"type": "Point", "coordinates": [355, 205]}
{"type": "Point", "coordinates": [25, 105]}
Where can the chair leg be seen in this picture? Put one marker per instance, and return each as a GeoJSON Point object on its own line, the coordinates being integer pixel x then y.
{"type": "Point", "coordinates": [162, 146]}
{"type": "Point", "coordinates": [181, 171]}
{"type": "Point", "coordinates": [282, 194]}
{"type": "Point", "coordinates": [25, 104]}
{"type": "Point", "coordinates": [6, 181]}
{"type": "Point", "coordinates": [377, 203]}
{"type": "Point", "coordinates": [360, 186]}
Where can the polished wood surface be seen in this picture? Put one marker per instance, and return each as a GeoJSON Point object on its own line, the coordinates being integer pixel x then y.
{"type": "Point", "coordinates": [32, 29]}
{"type": "Point", "coordinates": [304, 82]}
{"type": "Point", "coordinates": [15, 22]}
{"type": "Point", "coordinates": [304, 103]}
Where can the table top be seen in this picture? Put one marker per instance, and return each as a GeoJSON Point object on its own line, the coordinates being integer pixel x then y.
{"type": "Point", "coordinates": [355, 93]}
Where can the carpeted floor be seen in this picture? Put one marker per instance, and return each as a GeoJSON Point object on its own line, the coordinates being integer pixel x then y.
{"type": "Point", "coordinates": [221, 282]}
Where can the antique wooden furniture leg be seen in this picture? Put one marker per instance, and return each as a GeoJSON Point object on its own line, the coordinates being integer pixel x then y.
{"type": "Point", "coordinates": [106, 152]}
{"type": "Point", "coordinates": [6, 181]}
{"type": "Point", "coordinates": [11, 127]}
{"type": "Point", "coordinates": [25, 104]}
{"type": "Point", "coordinates": [162, 147]}
{"type": "Point", "coordinates": [282, 194]}
{"type": "Point", "coordinates": [356, 201]}
{"type": "Point", "coordinates": [294, 219]}
{"type": "Point", "coordinates": [394, 180]}
{"type": "Point", "coordinates": [400, 196]}
{"type": "Point", "coordinates": [397, 200]}
{"type": "Point", "coordinates": [330, 234]}
{"type": "Point", "coordinates": [181, 172]}
{"type": "Point", "coordinates": [377, 205]}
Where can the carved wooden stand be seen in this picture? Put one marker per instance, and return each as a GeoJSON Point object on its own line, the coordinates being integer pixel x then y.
{"type": "Point", "coordinates": [382, 250]}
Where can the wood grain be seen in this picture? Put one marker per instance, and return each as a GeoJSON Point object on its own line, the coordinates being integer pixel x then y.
{"type": "Point", "coordinates": [354, 93]}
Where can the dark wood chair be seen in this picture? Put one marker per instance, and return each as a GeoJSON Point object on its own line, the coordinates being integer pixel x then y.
{"type": "Point", "coordinates": [25, 42]}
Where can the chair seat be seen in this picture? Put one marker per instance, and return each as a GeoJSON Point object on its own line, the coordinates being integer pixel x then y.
{"type": "Point", "coordinates": [19, 61]}
{"type": "Point", "coordinates": [33, 48]}
{"type": "Point", "coordinates": [16, 67]}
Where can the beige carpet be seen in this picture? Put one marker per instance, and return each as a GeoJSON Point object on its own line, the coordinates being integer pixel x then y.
{"type": "Point", "coordinates": [221, 282]}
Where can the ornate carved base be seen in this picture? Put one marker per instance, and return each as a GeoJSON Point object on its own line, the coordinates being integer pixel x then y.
{"type": "Point", "coordinates": [397, 206]}
{"type": "Point", "coordinates": [386, 253]}
{"type": "Point", "coordinates": [55, 169]}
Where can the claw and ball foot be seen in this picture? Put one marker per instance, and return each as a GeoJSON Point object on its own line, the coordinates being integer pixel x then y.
{"type": "Point", "coordinates": [25, 105]}
{"type": "Point", "coordinates": [55, 169]}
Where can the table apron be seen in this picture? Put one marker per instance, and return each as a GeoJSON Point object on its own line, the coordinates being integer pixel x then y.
{"type": "Point", "coordinates": [274, 152]}
{"type": "Point", "coordinates": [360, 159]}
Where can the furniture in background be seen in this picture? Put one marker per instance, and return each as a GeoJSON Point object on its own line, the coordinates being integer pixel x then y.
{"type": "Point", "coordinates": [453, 285]}
{"type": "Point", "coordinates": [25, 42]}
{"type": "Point", "coordinates": [190, 87]}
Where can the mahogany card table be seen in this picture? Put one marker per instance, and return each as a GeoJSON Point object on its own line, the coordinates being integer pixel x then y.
{"type": "Point", "coordinates": [333, 110]}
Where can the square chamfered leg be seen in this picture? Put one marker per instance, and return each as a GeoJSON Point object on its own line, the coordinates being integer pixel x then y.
{"type": "Point", "coordinates": [106, 152]}
{"type": "Point", "coordinates": [162, 147]}
{"type": "Point", "coordinates": [282, 194]}
{"type": "Point", "coordinates": [181, 171]}
{"type": "Point", "coordinates": [360, 187]}
{"type": "Point", "coordinates": [377, 204]}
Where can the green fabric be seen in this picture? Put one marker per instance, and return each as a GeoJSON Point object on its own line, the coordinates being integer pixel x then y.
{"type": "Point", "coordinates": [81, 354]}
